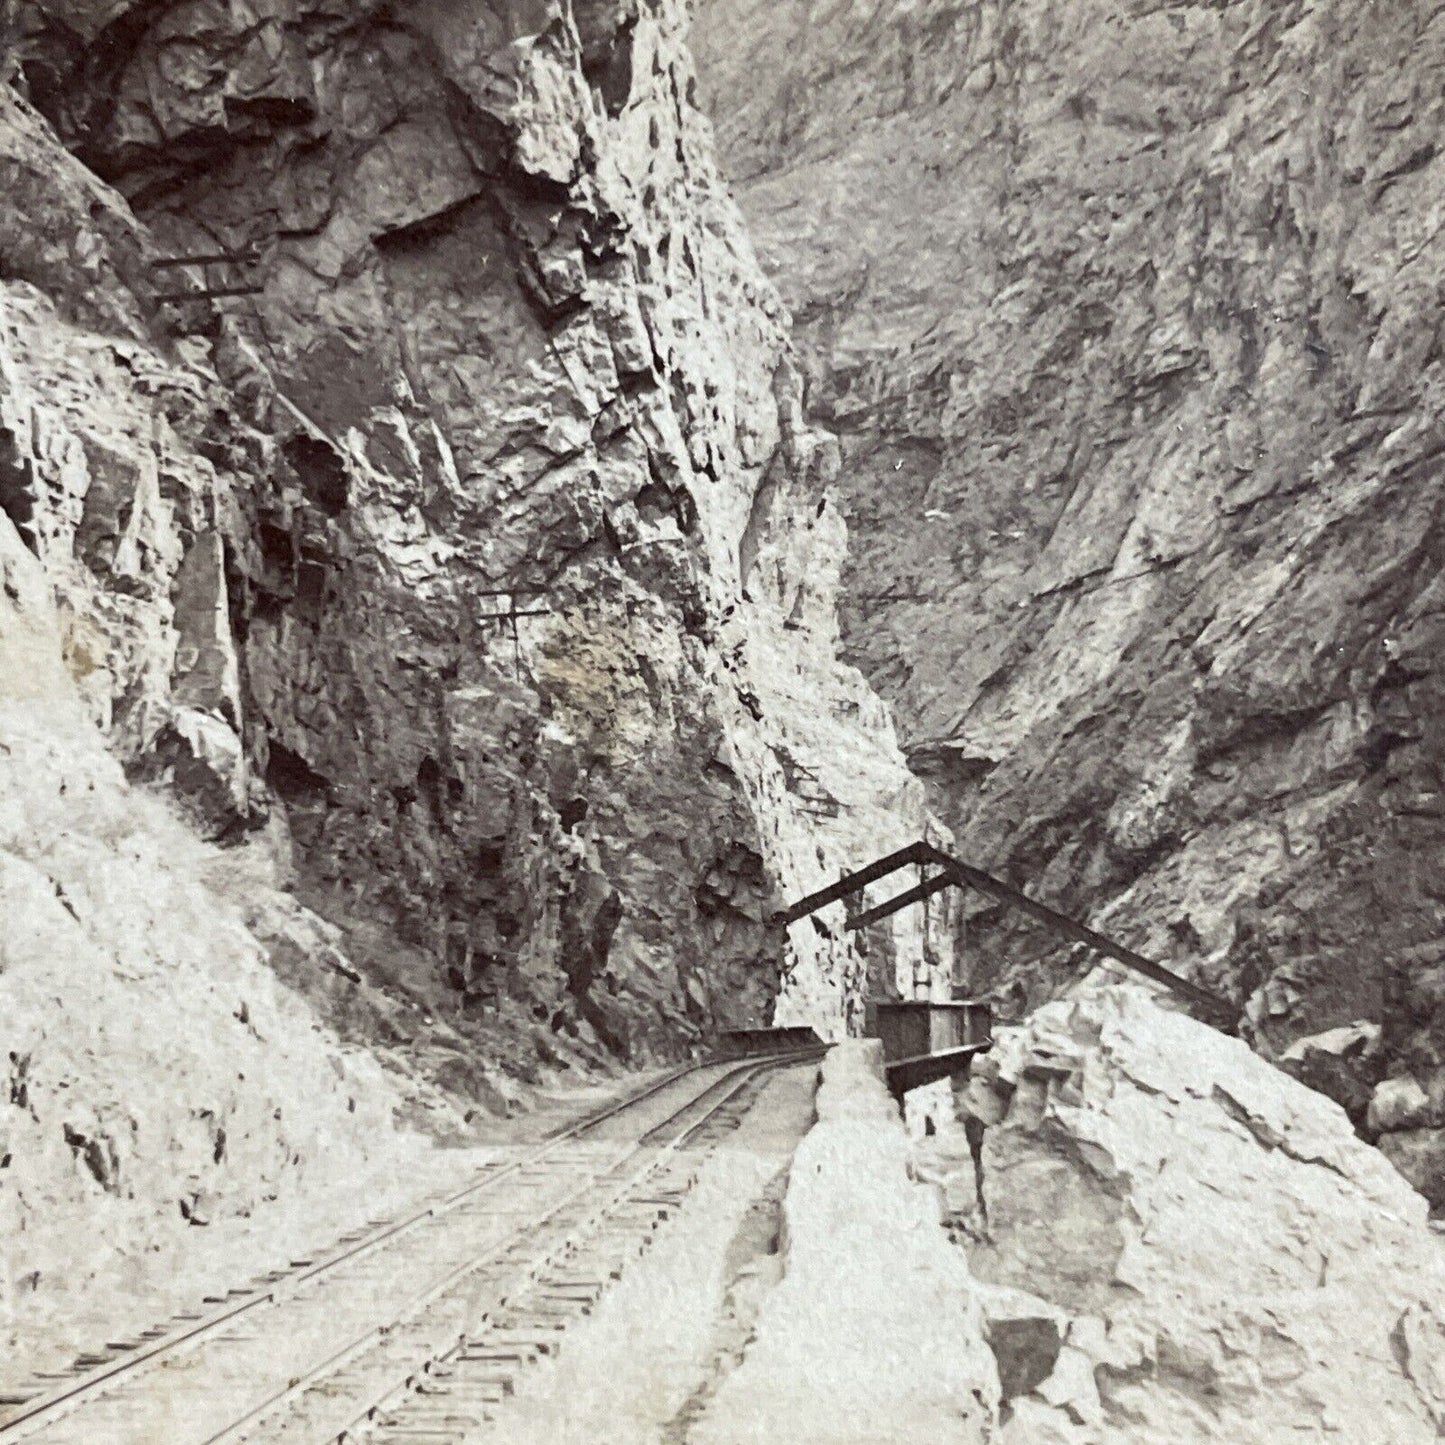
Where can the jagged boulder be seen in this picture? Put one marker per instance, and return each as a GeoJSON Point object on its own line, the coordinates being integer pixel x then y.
{"type": "Point", "coordinates": [1211, 1252]}
{"type": "Point", "coordinates": [1344, 1063]}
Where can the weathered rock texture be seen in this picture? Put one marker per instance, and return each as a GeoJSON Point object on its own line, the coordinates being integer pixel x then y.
{"type": "Point", "coordinates": [511, 351]}
{"type": "Point", "coordinates": [1127, 320]}
{"type": "Point", "coordinates": [156, 1076]}
{"type": "Point", "coordinates": [1185, 1244]}
{"type": "Point", "coordinates": [874, 1332]}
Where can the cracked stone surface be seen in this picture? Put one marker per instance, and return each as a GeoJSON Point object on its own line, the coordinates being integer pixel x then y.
{"type": "Point", "coordinates": [1126, 319]}
{"type": "Point", "coordinates": [1179, 1242]}
{"type": "Point", "coordinates": [874, 1332]}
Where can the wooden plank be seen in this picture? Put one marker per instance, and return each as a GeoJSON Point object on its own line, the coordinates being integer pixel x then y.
{"type": "Point", "coordinates": [213, 258]}
{"type": "Point", "coordinates": [970, 877]}
{"type": "Point", "coordinates": [913, 1073]}
{"type": "Point", "coordinates": [852, 883]}
{"type": "Point", "coordinates": [917, 894]}
{"type": "Point", "coordinates": [177, 298]}
{"type": "Point", "coordinates": [1217, 1009]}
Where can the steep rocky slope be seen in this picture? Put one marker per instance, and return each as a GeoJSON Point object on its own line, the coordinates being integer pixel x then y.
{"type": "Point", "coordinates": [1273, 1280]}
{"type": "Point", "coordinates": [159, 1085]}
{"type": "Point", "coordinates": [510, 352]}
{"type": "Point", "coordinates": [1127, 320]}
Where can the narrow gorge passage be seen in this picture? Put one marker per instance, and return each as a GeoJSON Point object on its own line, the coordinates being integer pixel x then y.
{"type": "Point", "coordinates": [719, 722]}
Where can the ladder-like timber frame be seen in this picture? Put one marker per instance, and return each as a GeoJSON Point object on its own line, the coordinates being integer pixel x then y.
{"type": "Point", "coordinates": [955, 874]}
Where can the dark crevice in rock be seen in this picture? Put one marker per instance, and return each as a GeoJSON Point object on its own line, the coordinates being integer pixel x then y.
{"type": "Point", "coordinates": [1026, 1351]}
{"type": "Point", "coordinates": [608, 68]}
{"type": "Point", "coordinates": [98, 1156]}
{"type": "Point", "coordinates": [429, 788]}
{"type": "Point", "coordinates": [321, 472]}
{"type": "Point", "coordinates": [292, 778]}
{"type": "Point", "coordinates": [753, 1266]}
{"type": "Point", "coordinates": [18, 489]}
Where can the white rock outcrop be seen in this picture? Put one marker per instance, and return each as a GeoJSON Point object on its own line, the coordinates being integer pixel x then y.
{"type": "Point", "coordinates": [1185, 1244]}
{"type": "Point", "coordinates": [874, 1334]}
{"type": "Point", "coordinates": [155, 1074]}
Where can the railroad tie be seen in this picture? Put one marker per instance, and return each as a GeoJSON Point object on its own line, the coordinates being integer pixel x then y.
{"type": "Point", "coordinates": [413, 1434]}
{"type": "Point", "coordinates": [541, 1344]}
{"type": "Point", "coordinates": [486, 1354]}
{"type": "Point", "coordinates": [484, 1381]}
{"type": "Point", "coordinates": [489, 1390]}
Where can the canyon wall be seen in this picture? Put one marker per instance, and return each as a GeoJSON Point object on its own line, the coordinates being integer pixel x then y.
{"type": "Point", "coordinates": [305, 851]}
{"type": "Point", "coordinates": [504, 349]}
{"type": "Point", "coordinates": [1127, 320]}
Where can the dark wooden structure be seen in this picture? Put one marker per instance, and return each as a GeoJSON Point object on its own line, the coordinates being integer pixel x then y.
{"type": "Point", "coordinates": [926, 1041]}
{"type": "Point", "coordinates": [951, 873]}
{"type": "Point", "coordinates": [514, 598]}
{"type": "Point", "coordinates": [745, 1043]}
{"type": "Point", "coordinates": [238, 278]}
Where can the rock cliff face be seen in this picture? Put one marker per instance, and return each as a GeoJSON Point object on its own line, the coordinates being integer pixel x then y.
{"type": "Point", "coordinates": [1127, 321]}
{"type": "Point", "coordinates": [499, 346]}
{"type": "Point", "coordinates": [509, 353]}
{"type": "Point", "coordinates": [1273, 1280]}
{"type": "Point", "coordinates": [157, 1078]}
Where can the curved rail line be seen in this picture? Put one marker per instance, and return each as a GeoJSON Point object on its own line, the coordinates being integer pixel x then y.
{"type": "Point", "coordinates": [458, 1389]}
{"type": "Point", "coordinates": [72, 1397]}
{"type": "Point", "coordinates": [655, 1148]}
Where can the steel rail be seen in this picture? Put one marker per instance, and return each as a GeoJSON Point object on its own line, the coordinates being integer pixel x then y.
{"type": "Point", "coordinates": [435, 1289]}
{"type": "Point", "coordinates": [730, 1086]}
{"type": "Point", "coordinates": [22, 1422]}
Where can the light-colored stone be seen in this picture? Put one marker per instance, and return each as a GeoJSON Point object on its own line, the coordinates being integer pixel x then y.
{"type": "Point", "coordinates": [1398, 1103]}
{"type": "Point", "coordinates": [873, 1334]}
{"type": "Point", "coordinates": [1234, 1263]}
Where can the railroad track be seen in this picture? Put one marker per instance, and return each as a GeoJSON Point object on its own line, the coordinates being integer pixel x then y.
{"type": "Point", "coordinates": [416, 1329]}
